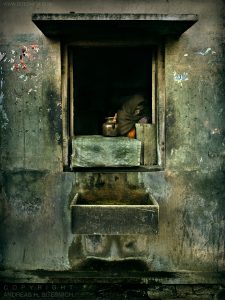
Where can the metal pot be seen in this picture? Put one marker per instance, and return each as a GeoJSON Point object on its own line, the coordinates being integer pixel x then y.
{"type": "Point", "coordinates": [110, 127]}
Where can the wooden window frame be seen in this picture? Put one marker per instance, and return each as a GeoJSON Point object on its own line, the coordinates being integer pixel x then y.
{"type": "Point", "coordinates": [158, 97]}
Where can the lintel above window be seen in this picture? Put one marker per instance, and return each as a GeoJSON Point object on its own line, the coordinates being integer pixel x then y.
{"type": "Point", "coordinates": [67, 24]}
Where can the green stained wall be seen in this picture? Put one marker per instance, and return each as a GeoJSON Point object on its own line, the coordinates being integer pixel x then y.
{"type": "Point", "coordinates": [36, 193]}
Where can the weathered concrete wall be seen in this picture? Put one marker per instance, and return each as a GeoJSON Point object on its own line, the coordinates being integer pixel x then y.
{"type": "Point", "coordinates": [35, 193]}
{"type": "Point", "coordinates": [30, 103]}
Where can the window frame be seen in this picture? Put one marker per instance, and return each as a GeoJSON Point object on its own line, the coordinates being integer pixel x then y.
{"type": "Point", "coordinates": [158, 97]}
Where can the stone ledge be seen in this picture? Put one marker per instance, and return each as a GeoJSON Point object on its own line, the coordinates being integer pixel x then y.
{"type": "Point", "coordinates": [100, 151]}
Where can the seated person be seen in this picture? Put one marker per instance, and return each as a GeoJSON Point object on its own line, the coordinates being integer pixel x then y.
{"type": "Point", "coordinates": [134, 110]}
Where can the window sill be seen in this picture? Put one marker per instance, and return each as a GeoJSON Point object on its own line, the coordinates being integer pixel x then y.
{"type": "Point", "coordinates": [140, 169]}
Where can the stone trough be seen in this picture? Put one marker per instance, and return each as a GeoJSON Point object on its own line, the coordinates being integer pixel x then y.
{"type": "Point", "coordinates": [102, 212]}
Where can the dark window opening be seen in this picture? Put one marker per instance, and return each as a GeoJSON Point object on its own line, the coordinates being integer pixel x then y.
{"type": "Point", "coordinates": [104, 79]}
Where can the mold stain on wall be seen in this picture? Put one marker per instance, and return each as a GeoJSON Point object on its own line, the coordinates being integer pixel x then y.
{"type": "Point", "coordinates": [24, 62]}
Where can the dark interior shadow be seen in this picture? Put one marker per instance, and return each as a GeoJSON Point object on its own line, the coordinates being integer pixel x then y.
{"type": "Point", "coordinates": [129, 265]}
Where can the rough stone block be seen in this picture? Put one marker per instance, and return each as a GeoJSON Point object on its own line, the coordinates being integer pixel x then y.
{"type": "Point", "coordinates": [184, 290]}
{"type": "Point", "coordinates": [99, 151]}
{"type": "Point", "coordinates": [161, 292]}
{"type": "Point", "coordinates": [205, 289]}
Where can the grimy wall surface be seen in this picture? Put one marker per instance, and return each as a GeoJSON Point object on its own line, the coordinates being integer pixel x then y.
{"type": "Point", "coordinates": [36, 193]}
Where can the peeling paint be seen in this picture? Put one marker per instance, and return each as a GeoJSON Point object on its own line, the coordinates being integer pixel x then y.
{"type": "Point", "coordinates": [205, 52]}
{"type": "Point", "coordinates": [31, 90]}
{"type": "Point", "coordinates": [179, 78]}
{"type": "Point", "coordinates": [25, 55]}
{"type": "Point", "coordinates": [23, 61]}
{"type": "Point", "coordinates": [216, 131]}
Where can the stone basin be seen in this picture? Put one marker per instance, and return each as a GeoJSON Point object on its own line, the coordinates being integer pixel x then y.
{"type": "Point", "coordinates": [105, 212]}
